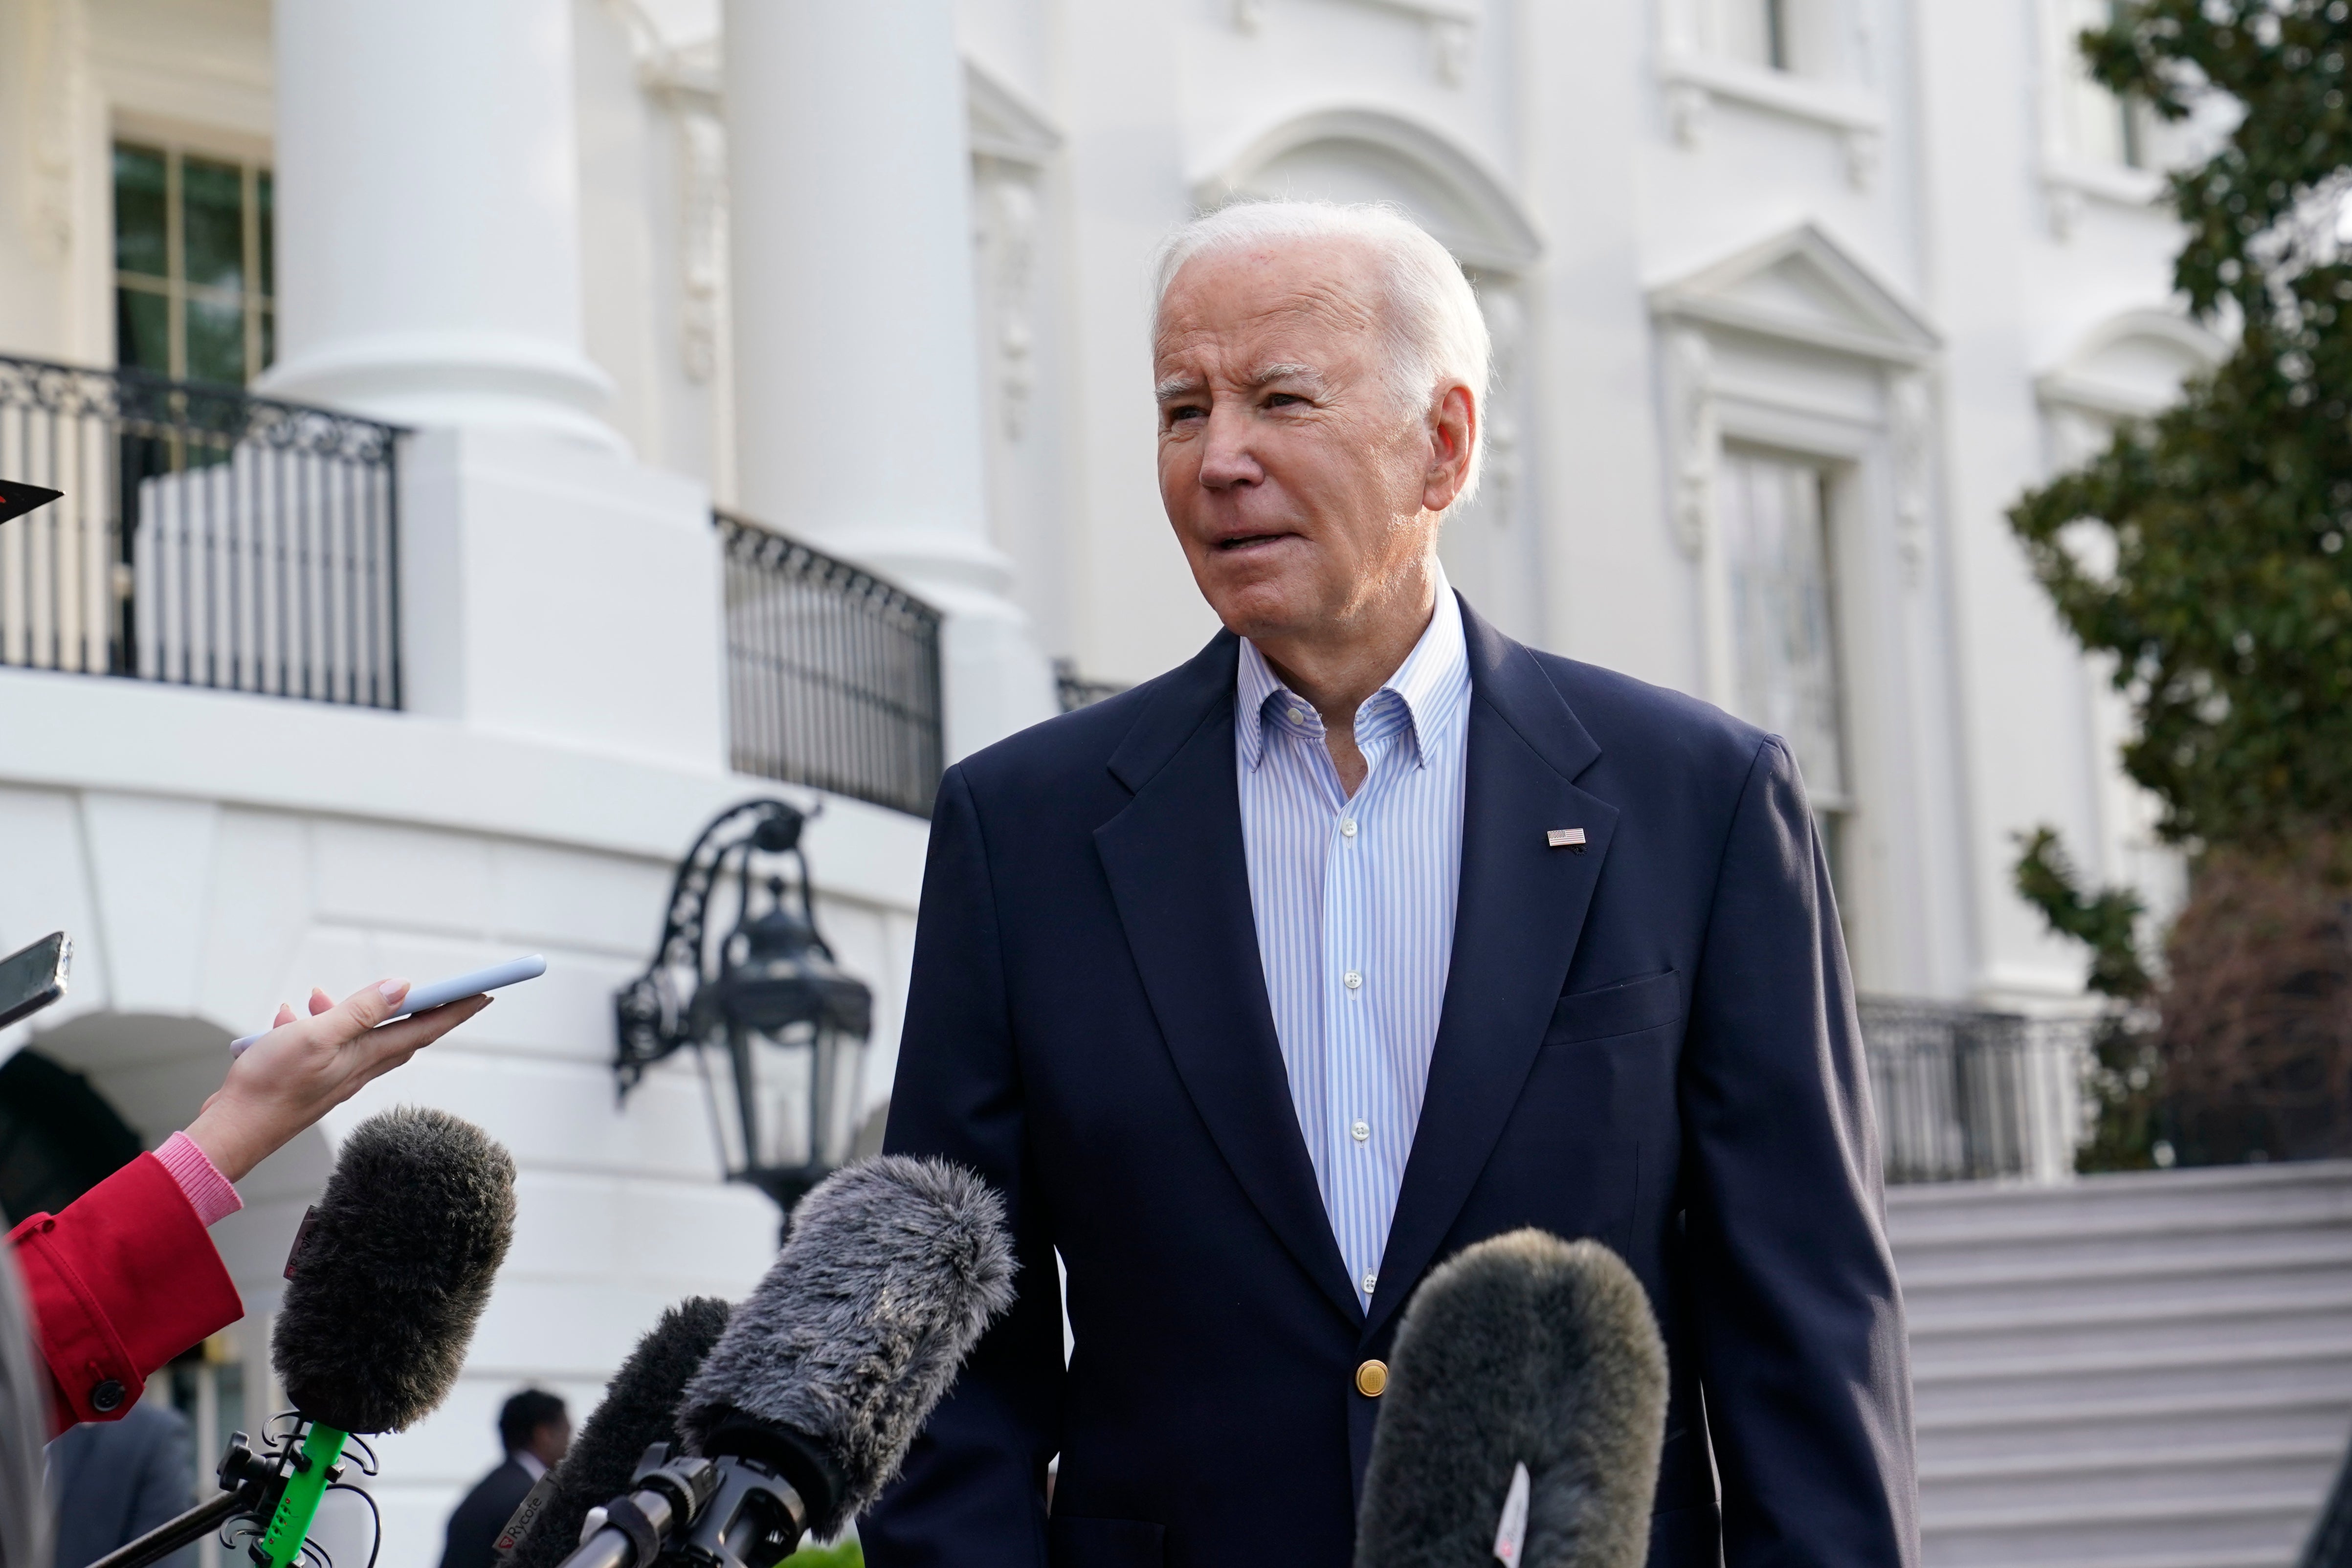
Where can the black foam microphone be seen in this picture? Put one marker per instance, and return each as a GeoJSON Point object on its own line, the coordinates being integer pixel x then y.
{"type": "Point", "coordinates": [1524, 1414]}
{"type": "Point", "coordinates": [806, 1407]}
{"type": "Point", "coordinates": [640, 1409]}
{"type": "Point", "coordinates": [389, 1274]}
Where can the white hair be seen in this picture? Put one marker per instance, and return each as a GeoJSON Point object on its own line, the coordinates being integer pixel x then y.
{"type": "Point", "coordinates": [1436, 333]}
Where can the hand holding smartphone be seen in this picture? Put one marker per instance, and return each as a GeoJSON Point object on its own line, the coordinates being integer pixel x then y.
{"type": "Point", "coordinates": [440, 993]}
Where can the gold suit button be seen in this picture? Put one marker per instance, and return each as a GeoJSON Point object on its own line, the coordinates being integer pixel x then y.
{"type": "Point", "coordinates": [1372, 1378]}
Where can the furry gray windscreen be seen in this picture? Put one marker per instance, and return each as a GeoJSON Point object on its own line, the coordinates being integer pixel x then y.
{"type": "Point", "coordinates": [393, 1271]}
{"type": "Point", "coordinates": [1529, 1350]}
{"type": "Point", "coordinates": [23, 1428]}
{"type": "Point", "coordinates": [892, 1269]}
{"type": "Point", "coordinates": [640, 1409]}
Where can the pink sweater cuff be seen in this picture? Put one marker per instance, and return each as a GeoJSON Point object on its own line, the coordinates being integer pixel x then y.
{"type": "Point", "coordinates": [208, 1192]}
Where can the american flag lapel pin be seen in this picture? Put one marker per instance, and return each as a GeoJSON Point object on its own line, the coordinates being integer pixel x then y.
{"type": "Point", "coordinates": [1565, 839]}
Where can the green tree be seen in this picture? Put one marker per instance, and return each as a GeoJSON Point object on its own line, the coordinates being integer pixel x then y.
{"type": "Point", "coordinates": [2205, 550]}
{"type": "Point", "coordinates": [2221, 584]}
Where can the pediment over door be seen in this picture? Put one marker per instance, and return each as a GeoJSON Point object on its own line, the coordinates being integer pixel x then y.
{"type": "Point", "coordinates": [1802, 287]}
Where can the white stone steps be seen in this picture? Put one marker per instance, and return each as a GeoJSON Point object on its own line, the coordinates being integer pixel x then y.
{"type": "Point", "coordinates": [2090, 1253]}
{"type": "Point", "coordinates": [2061, 1478]}
{"type": "Point", "coordinates": [2263, 1557]}
{"type": "Point", "coordinates": [2151, 1370]}
{"type": "Point", "coordinates": [2191, 1321]}
{"type": "Point", "coordinates": [2187, 1254]}
{"type": "Point", "coordinates": [2150, 1425]}
{"type": "Point", "coordinates": [2226, 1366]}
{"type": "Point", "coordinates": [2321, 1290]}
{"type": "Point", "coordinates": [2125, 1531]}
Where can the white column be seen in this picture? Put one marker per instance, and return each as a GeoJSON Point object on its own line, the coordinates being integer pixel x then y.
{"type": "Point", "coordinates": [858, 390]}
{"type": "Point", "coordinates": [430, 273]}
{"type": "Point", "coordinates": [428, 222]}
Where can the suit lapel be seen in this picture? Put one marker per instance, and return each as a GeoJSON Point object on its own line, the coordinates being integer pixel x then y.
{"type": "Point", "coordinates": [1180, 878]}
{"type": "Point", "coordinates": [1519, 912]}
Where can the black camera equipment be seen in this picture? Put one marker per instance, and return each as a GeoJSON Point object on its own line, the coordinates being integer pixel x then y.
{"type": "Point", "coordinates": [252, 1484]}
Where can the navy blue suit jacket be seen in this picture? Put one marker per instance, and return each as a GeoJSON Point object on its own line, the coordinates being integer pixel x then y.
{"type": "Point", "coordinates": [1652, 1042]}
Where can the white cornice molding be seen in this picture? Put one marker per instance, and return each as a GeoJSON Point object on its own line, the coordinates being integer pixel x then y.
{"type": "Point", "coordinates": [1693, 83]}
{"type": "Point", "coordinates": [1006, 123]}
{"type": "Point", "coordinates": [2073, 184]}
{"type": "Point", "coordinates": [1451, 24]}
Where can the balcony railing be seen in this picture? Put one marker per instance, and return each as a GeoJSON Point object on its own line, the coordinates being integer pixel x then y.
{"type": "Point", "coordinates": [833, 674]}
{"type": "Point", "coordinates": [1075, 691]}
{"type": "Point", "coordinates": [205, 538]}
{"type": "Point", "coordinates": [1966, 1096]}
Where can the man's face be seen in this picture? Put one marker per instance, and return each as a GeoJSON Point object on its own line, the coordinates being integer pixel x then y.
{"type": "Point", "coordinates": [551, 1441]}
{"type": "Point", "coordinates": [1298, 486]}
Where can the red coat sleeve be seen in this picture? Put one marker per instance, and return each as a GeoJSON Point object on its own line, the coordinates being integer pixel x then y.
{"type": "Point", "coordinates": [119, 1283]}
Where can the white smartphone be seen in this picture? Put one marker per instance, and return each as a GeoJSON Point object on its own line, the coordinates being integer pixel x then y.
{"type": "Point", "coordinates": [440, 993]}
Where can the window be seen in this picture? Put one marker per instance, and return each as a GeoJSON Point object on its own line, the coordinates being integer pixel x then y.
{"type": "Point", "coordinates": [1757, 32]}
{"type": "Point", "coordinates": [194, 282]}
{"type": "Point", "coordinates": [2102, 128]}
{"type": "Point", "coordinates": [1780, 566]}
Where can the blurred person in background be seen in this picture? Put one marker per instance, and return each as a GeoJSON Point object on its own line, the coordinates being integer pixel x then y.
{"type": "Point", "coordinates": [535, 1430]}
{"type": "Point", "coordinates": [110, 1482]}
{"type": "Point", "coordinates": [24, 1423]}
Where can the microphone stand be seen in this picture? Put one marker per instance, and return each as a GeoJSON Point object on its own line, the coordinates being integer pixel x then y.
{"type": "Point", "coordinates": [172, 1534]}
{"type": "Point", "coordinates": [729, 1510]}
{"type": "Point", "coordinates": [245, 1480]}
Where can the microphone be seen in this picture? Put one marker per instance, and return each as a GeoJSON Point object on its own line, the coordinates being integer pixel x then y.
{"type": "Point", "coordinates": [640, 1409]}
{"type": "Point", "coordinates": [1524, 1414]}
{"type": "Point", "coordinates": [804, 1408]}
{"type": "Point", "coordinates": [387, 1278]}
{"type": "Point", "coordinates": [388, 1275]}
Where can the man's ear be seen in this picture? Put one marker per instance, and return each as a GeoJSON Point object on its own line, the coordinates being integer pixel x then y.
{"type": "Point", "coordinates": [1453, 437]}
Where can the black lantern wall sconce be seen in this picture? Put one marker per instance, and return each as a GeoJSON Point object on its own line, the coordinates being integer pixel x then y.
{"type": "Point", "coordinates": [779, 1031]}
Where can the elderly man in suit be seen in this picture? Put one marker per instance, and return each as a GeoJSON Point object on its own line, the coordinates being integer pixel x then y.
{"type": "Point", "coordinates": [1367, 933]}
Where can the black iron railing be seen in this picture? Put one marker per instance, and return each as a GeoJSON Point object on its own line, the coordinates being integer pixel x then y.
{"type": "Point", "coordinates": [1075, 691]}
{"type": "Point", "coordinates": [205, 538]}
{"type": "Point", "coordinates": [833, 674]}
{"type": "Point", "coordinates": [1963, 1094]}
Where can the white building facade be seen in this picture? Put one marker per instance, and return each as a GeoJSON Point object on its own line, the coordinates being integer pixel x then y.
{"type": "Point", "coordinates": [1792, 299]}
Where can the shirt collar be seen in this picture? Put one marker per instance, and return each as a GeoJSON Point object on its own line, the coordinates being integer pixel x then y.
{"type": "Point", "coordinates": [1431, 689]}
{"type": "Point", "coordinates": [532, 1465]}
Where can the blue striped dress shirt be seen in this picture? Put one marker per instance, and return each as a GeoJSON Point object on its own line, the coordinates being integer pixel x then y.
{"type": "Point", "coordinates": [1354, 901]}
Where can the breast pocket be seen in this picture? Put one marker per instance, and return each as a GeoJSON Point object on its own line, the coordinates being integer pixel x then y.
{"type": "Point", "coordinates": [1625, 1007]}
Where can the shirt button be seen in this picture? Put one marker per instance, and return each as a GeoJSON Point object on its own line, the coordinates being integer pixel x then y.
{"type": "Point", "coordinates": [1351, 979]}
{"type": "Point", "coordinates": [106, 1398]}
{"type": "Point", "coordinates": [1371, 1280]}
{"type": "Point", "coordinates": [1346, 827]}
{"type": "Point", "coordinates": [1299, 716]}
{"type": "Point", "coordinates": [1361, 1131]}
